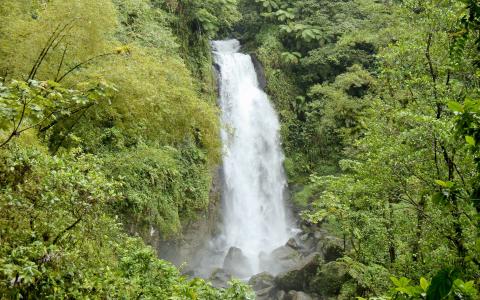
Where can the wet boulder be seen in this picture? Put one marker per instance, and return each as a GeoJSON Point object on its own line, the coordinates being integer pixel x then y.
{"type": "Point", "coordinates": [261, 281]}
{"type": "Point", "coordinates": [264, 286]}
{"type": "Point", "coordinates": [266, 293]}
{"type": "Point", "coordinates": [236, 263]}
{"type": "Point", "coordinates": [292, 243]}
{"type": "Point", "coordinates": [280, 259]}
{"type": "Point", "coordinates": [298, 277]}
{"type": "Point", "coordinates": [220, 278]}
{"type": "Point", "coordinates": [302, 236]}
{"type": "Point", "coordinates": [330, 279]}
{"type": "Point", "coordinates": [281, 295]}
{"type": "Point", "coordinates": [307, 242]}
{"type": "Point", "coordinates": [330, 247]}
{"type": "Point", "coordinates": [297, 295]}
{"type": "Point", "coordinates": [319, 234]}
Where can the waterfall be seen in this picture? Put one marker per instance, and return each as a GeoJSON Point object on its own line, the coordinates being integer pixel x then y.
{"type": "Point", "coordinates": [254, 213]}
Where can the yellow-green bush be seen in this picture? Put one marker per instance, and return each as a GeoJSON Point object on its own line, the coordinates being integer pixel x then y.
{"type": "Point", "coordinates": [100, 116]}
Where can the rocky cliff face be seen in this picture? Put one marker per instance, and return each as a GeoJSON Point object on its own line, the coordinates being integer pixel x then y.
{"type": "Point", "coordinates": [262, 80]}
{"type": "Point", "coordinates": [181, 249]}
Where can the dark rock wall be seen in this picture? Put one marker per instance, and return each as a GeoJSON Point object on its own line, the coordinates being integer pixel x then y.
{"type": "Point", "coordinates": [262, 80]}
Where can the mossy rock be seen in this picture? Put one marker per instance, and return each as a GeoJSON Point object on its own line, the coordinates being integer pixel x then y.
{"type": "Point", "coordinates": [298, 278]}
{"type": "Point", "coordinates": [330, 279]}
{"type": "Point", "coordinates": [261, 281]}
{"type": "Point", "coordinates": [220, 278]}
{"type": "Point", "coordinates": [330, 247]}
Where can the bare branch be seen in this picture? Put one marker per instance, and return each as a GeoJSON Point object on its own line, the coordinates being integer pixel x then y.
{"type": "Point", "coordinates": [53, 41]}
{"type": "Point", "coordinates": [70, 227]}
{"type": "Point", "coordinates": [84, 63]}
{"type": "Point", "coordinates": [60, 65]}
{"type": "Point", "coordinates": [39, 58]}
{"type": "Point", "coordinates": [43, 129]}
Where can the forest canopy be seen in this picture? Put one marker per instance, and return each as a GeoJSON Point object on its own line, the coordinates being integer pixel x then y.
{"type": "Point", "coordinates": [104, 118]}
{"type": "Point", "coordinates": [108, 122]}
{"type": "Point", "coordinates": [379, 108]}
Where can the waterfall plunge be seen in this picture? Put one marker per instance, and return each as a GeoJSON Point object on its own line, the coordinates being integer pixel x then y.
{"type": "Point", "coordinates": [254, 215]}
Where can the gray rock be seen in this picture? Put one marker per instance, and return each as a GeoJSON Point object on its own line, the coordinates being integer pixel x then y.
{"type": "Point", "coordinates": [284, 252]}
{"type": "Point", "coordinates": [266, 293]}
{"type": "Point", "coordinates": [262, 81]}
{"type": "Point", "coordinates": [305, 228]}
{"type": "Point", "coordinates": [281, 295]}
{"type": "Point", "coordinates": [236, 263]}
{"type": "Point", "coordinates": [330, 247]}
{"type": "Point", "coordinates": [298, 277]}
{"type": "Point", "coordinates": [295, 295]}
{"type": "Point", "coordinates": [220, 278]}
{"type": "Point", "coordinates": [282, 258]}
{"type": "Point", "coordinates": [304, 237]}
{"type": "Point", "coordinates": [307, 244]}
{"type": "Point", "coordinates": [292, 243]}
{"type": "Point", "coordinates": [188, 273]}
{"type": "Point", "coordinates": [261, 281]}
{"type": "Point", "coordinates": [318, 235]}
{"type": "Point", "coordinates": [330, 279]}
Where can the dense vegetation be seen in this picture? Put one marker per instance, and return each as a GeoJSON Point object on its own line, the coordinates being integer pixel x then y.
{"type": "Point", "coordinates": [380, 112]}
{"type": "Point", "coordinates": [108, 117]}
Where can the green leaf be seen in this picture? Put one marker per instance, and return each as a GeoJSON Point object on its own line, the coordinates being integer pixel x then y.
{"type": "Point", "coordinates": [440, 286]}
{"type": "Point", "coordinates": [470, 140]}
{"type": "Point", "coordinates": [424, 284]}
{"type": "Point", "coordinates": [455, 106]}
{"type": "Point", "coordinates": [395, 281]}
{"type": "Point", "coordinates": [445, 184]}
{"type": "Point", "coordinates": [466, 288]}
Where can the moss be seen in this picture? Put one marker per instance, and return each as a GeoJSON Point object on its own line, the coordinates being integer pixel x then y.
{"type": "Point", "coordinates": [330, 278]}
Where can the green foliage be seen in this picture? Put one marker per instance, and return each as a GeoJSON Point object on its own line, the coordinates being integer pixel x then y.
{"type": "Point", "coordinates": [291, 57]}
{"type": "Point", "coordinates": [471, 26]}
{"type": "Point", "coordinates": [268, 5]}
{"type": "Point", "coordinates": [467, 123]}
{"type": "Point", "coordinates": [372, 278]}
{"type": "Point", "coordinates": [59, 239]}
{"type": "Point", "coordinates": [161, 187]}
{"type": "Point", "coordinates": [211, 15]}
{"type": "Point", "coordinates": [402, 286]}
{"type": "Point", "coordinates": [155, 101]}
{"type": "Point", "coordinates": [195, 23]}
{"type": "Point", "coordinates": [442, 286]}
{"type": "Point", "coordinates": [46, 40]}
{"type": "Point", "coordinates": [307, 48]}
{"type": "Point", "coordinates": [307, 33]}
{"type": "Point", "coordinates": [380, 129]}
{"type": "Point", "coordinates": [57, 204]}
{"type": "Point", "coordinates": [107, 109]}
{"type": "Point", "coordinates": [164, 108]}
{"type": "Point", "coordinates": [100, 116]}
{"type": "Point", "coordinates": [145, 25]}
{"type": "Point", "coordinates": [41, 105]}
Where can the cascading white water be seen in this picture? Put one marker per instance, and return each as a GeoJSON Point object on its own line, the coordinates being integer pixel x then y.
{"type": "Point", "coordinates": [254, 216]}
